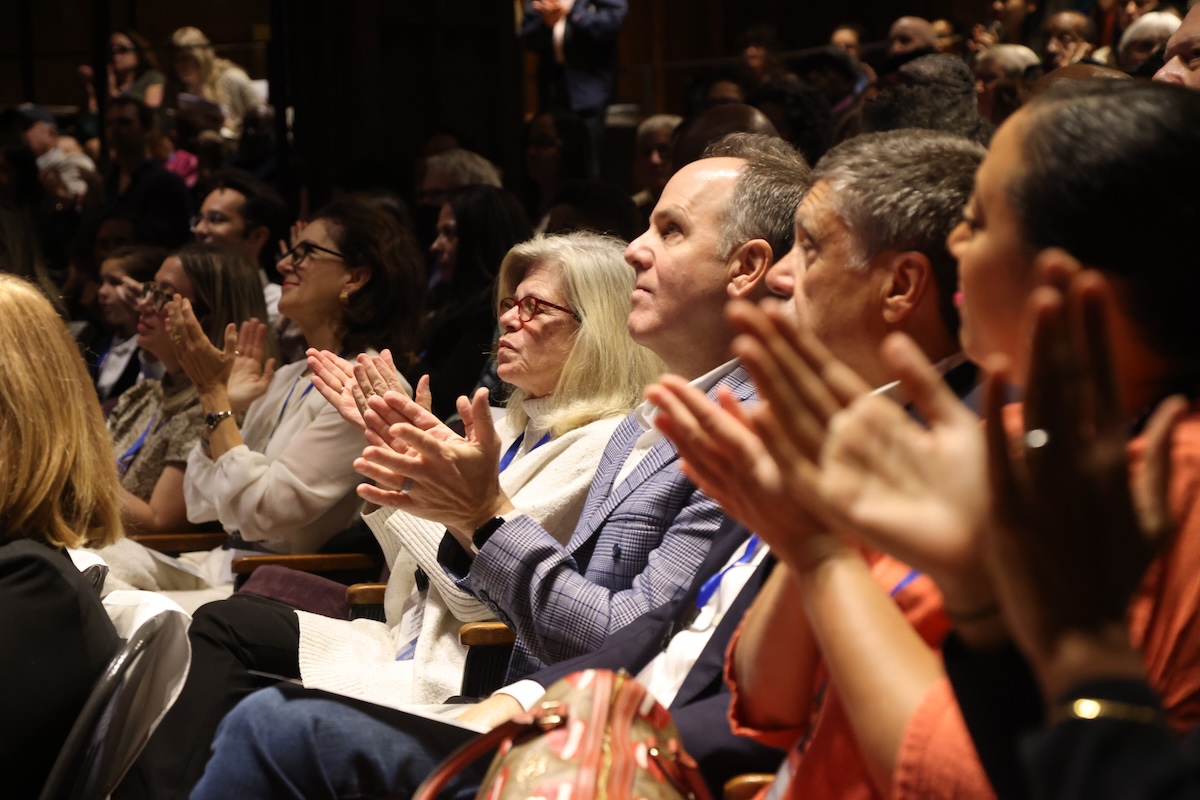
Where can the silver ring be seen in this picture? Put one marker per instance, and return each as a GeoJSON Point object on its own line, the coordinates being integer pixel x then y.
{"type": "Point", "coordinates": [408, 484]}
{"type": "Point", "coordinates": [1036, 438]}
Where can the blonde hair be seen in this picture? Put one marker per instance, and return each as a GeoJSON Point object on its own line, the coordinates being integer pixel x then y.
{"type": "Point", "coordinates": [606, 371]}
{"type": "Point", "coordinates": [196, 44]}
{"type": "Point", "coordinates": [60, 478]}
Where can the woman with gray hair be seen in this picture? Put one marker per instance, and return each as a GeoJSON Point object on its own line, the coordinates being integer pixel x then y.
{"type": "Point", "coordinates": [562, 305]}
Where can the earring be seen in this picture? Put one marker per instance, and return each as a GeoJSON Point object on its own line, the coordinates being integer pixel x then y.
{"type": "Point", "coordinates": [344, 297]}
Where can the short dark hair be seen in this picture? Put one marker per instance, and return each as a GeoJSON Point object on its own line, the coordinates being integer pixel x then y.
{"type": "Point", "coordinates": [1109, 173]}
{"type": "Point", "coordinates": [262, 207]}
{"type": "Point", "coordinates": [387, 310]}
{"type": "Point", "coordinates": [935, 92]}
{"type": "Point", "coordinates": [145, 114]}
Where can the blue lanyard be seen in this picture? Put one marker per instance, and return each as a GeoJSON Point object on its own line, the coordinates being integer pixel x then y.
{"type": "Point", "coordinates": [712, 584]}
{"type": "Point", "coordinates": [126, 459]}
{"type": "Point", "coordinates": [288, 399]}
{"type": "Point", "coordinates": [904, 582]}
{"type": "Point", "coordinates": [511, 453]}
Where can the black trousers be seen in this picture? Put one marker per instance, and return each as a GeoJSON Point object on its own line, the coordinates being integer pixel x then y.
{"type": "Point", "coordinates": [229, 639]}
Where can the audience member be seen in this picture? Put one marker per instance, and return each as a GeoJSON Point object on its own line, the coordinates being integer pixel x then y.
{"type": "Point", "coordinates": [557, 150]}
{"type": "Point", "coordinates": [245, 215]}
{"type": "Point", "coordinates": [847, 37]}
{"type": "Point", "coordinates": [64, 173]}
{"type": "Point", "coordinates": [999, 78]}
{"type": "Point", "coordinates": [138, 183]}
{"type": "Point", "coordinates": [1182, 66]}
{"type": "Point", "coordinates": [711, 221]}
{"type": "Point", "coordinates": [477, 225]}
{"type": "Point", "coordinates": [1141, 39]}
{"type": "Point", "coordinates": [118, 361]}
{"type": "Point", "coordinates": [596, 207]}
{"type": "Point", "coordinates": [949, 37]}
{"type": "Point", "coordinates": [759, 48]}
{"type": "Point", "coordinates": [911, 35]}
{"type": "Point", "coordinates": [695, 134]}
{"type": "Point", "coordinates": [60, 492]}
{"type": "Point", "coordinates": [274, 462]}
{"type": "Point", "coordinates": [799, 112]}
{"type": "Point", "coordinates": [576, 46]}
{"type": "Point", "coordinates": [156, 423]}
{"type": "Point", "coordinates": [652, 159]}
{"type": "Point", "coordinates": [935, 92]}
{"type": "Point", "coordinates": [20, 254]}
{"type": "Point", "coordinates": [1070, 38]}
{"type": "Point", "coordinates": [132, 71]}
{"type": "Point", "coordinates": [196, 70]}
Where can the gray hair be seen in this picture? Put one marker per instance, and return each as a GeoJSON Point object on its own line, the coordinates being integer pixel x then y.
{"type": "Point", "coordinates": [606, 371]}
{"type": "Point", "coordinates": [464, 168]}
{"type": "Point", "coordinates": [656, 124]}
{"type": "Point", "coordinates": [768, 191]}
{"type": "Point", "coordinates": [1154, 26]}
{"type": "Point", "coordinates": [903, 190]}
{"type": "Point", "coordinates": [1011, 60]}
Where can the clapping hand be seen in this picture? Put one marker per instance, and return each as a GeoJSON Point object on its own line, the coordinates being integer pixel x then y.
{"type": "Point", "coordinates": [349, 385]}
{"type": "Point", "coordinates": [432, 472]}
{"type": "Point", "coordinates": [208, 367]}
{"type": "Point", "coordinates": [250, 376]}
{"type": "Point", "coordinates": [1070, 542]}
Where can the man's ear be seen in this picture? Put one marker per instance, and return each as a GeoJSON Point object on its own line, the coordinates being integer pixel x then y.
{"type": "Point", "coordinates": [909, 279]}
{"type": "Point", "coordinates": [258, 236]}
{"type": "Point", "coordinates": [747, 266]}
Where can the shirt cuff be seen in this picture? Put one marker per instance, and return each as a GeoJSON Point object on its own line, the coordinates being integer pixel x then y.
{"type": "Point", "coordinates": [527, 693]}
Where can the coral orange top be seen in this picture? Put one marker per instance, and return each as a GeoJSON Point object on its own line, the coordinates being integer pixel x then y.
{"type": "Point", "coordinates": [936, 758]}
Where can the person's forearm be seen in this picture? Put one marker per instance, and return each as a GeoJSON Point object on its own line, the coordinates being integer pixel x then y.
{"type": "Point", "coordinates": [138, 516]}
{"type": "Point", "coordinates": [226, 435]}
{"type": "Point", "coordinates": [775, 658]}
{"type": "Point", "coordinates": [880, 665]}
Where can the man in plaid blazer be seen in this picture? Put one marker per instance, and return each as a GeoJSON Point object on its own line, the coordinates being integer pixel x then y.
{"type": "Point", "coordinates": [645, 529]}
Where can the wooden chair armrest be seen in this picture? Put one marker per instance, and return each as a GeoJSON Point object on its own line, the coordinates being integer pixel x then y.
{"type": "Point", "coordinates": [180, 542]}
{"type": "Point", "coordinates": [475, 634]}
{"type": "Point", "coordinates": [744, 787]}
{"type": "Point", "coordinates": [365, 594]}
{"type": "Point", "coordinates": [316, 562]}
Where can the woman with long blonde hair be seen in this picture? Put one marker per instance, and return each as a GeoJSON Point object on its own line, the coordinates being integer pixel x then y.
{"type": "Point", "coordinates": [59, 492]}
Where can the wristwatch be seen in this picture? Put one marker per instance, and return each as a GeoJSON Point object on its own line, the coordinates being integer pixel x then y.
{"type": "Point", "coordinates": [485, 531]}
{"type": "Point", "coordinates": [211, 421]}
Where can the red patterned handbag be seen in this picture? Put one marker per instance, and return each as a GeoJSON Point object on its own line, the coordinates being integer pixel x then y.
{"type": "Point", "coordinates": [596, 735]}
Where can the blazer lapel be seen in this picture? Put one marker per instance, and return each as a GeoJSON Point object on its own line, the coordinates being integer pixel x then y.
{"type": "Point", "coordinates": [603, 497]}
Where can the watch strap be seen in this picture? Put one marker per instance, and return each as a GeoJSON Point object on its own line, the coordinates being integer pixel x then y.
{"type": "Point", "coordinates": [485, 531]}
{"type": "Point", "coordinates": [211, 421]}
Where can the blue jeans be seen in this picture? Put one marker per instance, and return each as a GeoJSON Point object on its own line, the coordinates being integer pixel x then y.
{"type": "Point", "coordinates": [288, 742]}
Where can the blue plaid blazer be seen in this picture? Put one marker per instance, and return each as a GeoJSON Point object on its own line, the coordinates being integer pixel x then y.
{"type": "Point", "coordinates": [637, 545]}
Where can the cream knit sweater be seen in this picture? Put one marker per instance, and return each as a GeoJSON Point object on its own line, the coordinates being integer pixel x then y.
{"type": "Point", "coordinates": [358, 658]}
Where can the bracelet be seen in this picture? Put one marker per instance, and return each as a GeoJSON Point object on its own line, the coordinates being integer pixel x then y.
{"type": "Point", "coordinates": [1087, 708]}
{"type": "Point", "coordinates": [974, 615]}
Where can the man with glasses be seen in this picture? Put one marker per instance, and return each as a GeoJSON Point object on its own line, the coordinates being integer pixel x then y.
{"type": "Point", "coordinates": [244, 214]}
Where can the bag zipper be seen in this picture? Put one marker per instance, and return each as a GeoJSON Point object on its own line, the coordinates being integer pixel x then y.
{"type": "Point", "coordinates": [606, 755]}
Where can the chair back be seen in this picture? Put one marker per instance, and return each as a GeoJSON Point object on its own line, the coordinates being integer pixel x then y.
{"type": "Point", "coordinates": [125, 705]}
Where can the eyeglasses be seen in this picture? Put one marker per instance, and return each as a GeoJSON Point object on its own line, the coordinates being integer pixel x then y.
{"type": "Point", "coordinates": [120, 50]}
{"type": "Point", "coordinates": [304, 249]}
{"type": "Point", "coordinates": [154, 295]}
{"type": "Point", "coordinates": [529, 305]}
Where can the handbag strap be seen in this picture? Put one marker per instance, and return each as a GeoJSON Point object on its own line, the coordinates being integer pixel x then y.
{"type": "Point", "coordinates": [535, 723]}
